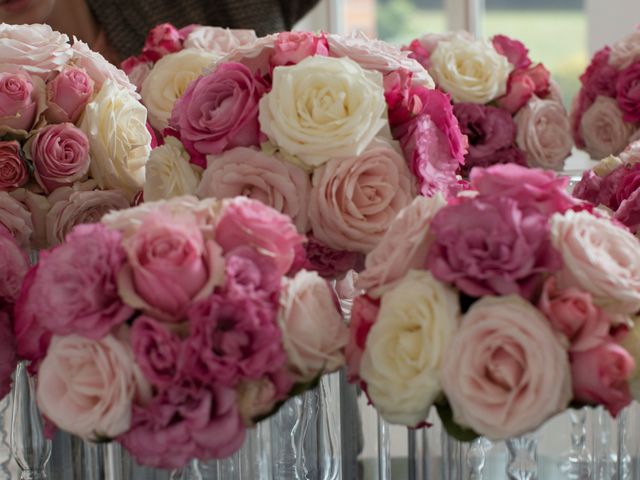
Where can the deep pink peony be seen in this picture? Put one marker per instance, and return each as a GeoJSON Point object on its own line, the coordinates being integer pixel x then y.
{"type": "Point", "coordinates": [18, 101]}
{"type": "Point", "coordinates": [628, 92]}
{"type": "Point", "coordinates": [249, 272]}
{"type": "Point", "coordinates": [364, 313]}
{"type": "Point", "coordinates": [328, 262]}
{"type": "Point", "coordinates": [8, 358]}
{"type": "Point", "coordinates": [156, 350]}
{"type": "Point", "coordinates": [292, 47]}
{"type": "Point", "coordinates": [514, 50]}
{"type": "Point", "coordinates": [189, 420]}
{"type": "Point", "coordinates": [67, 95]}
{"type": "Point", "coordinates": [219, 111]}
{"type": "Point", "coordinates": [162, 40]}
{"type": "Point", "coordinates": [14, 265]}
{"type": "Point", "coordinates": [13, 170]}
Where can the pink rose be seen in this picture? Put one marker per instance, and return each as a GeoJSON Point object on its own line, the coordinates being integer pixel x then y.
{"type": "Point", "coordinates": [35, 48]}
{"type": "Point", "coordinates": [419, 52]}
{"type": "Point", "coordinates": [601, 376]}
{"type": "Point", "coordinates": [67, 95]}
{"type": "Point", "coordinates": [603, 129]}
{"type": "Point", "coordinates": [628, 92]}
{"type": "Point", "coordinates": [8, 357]}
{"type": "Point", "coordinates": [505, 372]}
{"type": "Point", "coordinates": [354, 200]}
{"type": "Point", "coordinates": [219, 111]}
{"type": "Point", "coordinates": [522, 85]}
{"type": "Point", "coordinates": [364, 313]}
{"type": "Point", "coordinates": [292, 47]}
{"type": "Point", "coordinates": [137, 69]}
{"type": "Point", "coordinates": [249, 222]}
{"type": "Point", "coordinates": [162, 40]}
{"type": "Point", "coordinates": [218, 40]}
{"type": "Point", "coordinates": [249, 272]}
{"type": "Point", "coordinates": [170, 266]}
{"type": "Point", "coordinates": [16, 218]}
{"type": "Point", "coordinates": [60, 155]}
{"type": "Point", "coordinates": [13, 268]}
{"type": "Point", "coordinates": [18, 101]}
{"type": "Point", "coordinates": [156, 350]}
{"type": "Point", "coordinates": [572, 312]}
{"type": "Point", "coordinates": [13, 171]}
{"type": "Point", "coordinates": [87, 387]}
{"type": "Point", "coordinates": [275, 182]}
{"type": "Point", "coordinates": [514, 50]}
{"type": "Point", "coordinates": [313, 331]}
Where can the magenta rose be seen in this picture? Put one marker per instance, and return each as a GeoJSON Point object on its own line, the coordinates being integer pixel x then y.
{"type": "Point", "coordinates": [522, 85]}
{"type": "Point", "coordinates": [8, 357]}
{"type": "Point", "coordinates": [629, 212]}
{"type": "Point", "coordinates": [514, 50]}
{"type": "Point", "coordinates": [292, 47]}
{"type": "Point", "coordinates": [489, 246]}
{"type": "Point", "coordinates": [628, 92]}
{"type": "Point", "coordinates": [364, 313]}
{"type": "Point", "coordinates": [162, 40]}
{"type": "Point", "coordinates": [249, 272]}
{"type": "Point", "coordinates": [13, 267]}
{"type": "Point", "coordinates": [419, 53]}
{"type": "Point", "coordinates": [600, 376]}
{"type": "Point", "coordinates": [60, 155]}
{"type": "Point", "coordinates": [156, 350]}
{"type": "Point", "coordinates": [13, 171]}
{"type": "Point", "coordinates": [67, 95]}
{"type": "Point", "coordinates": [189, 420]}
{"type": "Point", "coordinates": [219, 111]}
{"type": "Point", "coordinates": [18, 101]}
{"type": "Point", "coordinates": [249, 222]}
{"type": "Point", "coordinates": [328, 262]}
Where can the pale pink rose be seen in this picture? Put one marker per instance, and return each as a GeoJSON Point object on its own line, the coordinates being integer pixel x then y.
{"type": "Point", "coordinates": [403, 246]}
{"type": "Point", "coordinates": [15, 217]}
{"type": "Point", "coordinates": [67, 95]}
{"type": "Point", "coordinates": [293, 47]}
{"type": "Point", "coordinates": [603, 129]}
{"type": "Point", "coordinates": [60, 155]}
{"type": "Point", "coordinates": [36, 48]}
{"type": "Point", "coordinates": [625, 51]}
{"type": "Point", "coordinates": [38, 206]}
{"type": "Point", "coordinates": [87, 387]}
{"type": "Point", "coordinates": [170, 266]}
{"type": "Point", "coordinates": [354, 200]}
{"type": "Point", "coordinates": [19, 97]}
{"type": "Point", "coordinates": [13, 170]}
{"type": "Point", "coordinates": [364, 313]}
{"type": "Point", "coordinates": [544, 133]}
{"type": "Point", "coordinates": [246, 171]}
{"type": "Point", "coordinates": [256, 56]}
{"type": "Point", "coordinates": [505, 372]}
{"type": "Point", "coordinates": [571, 312]}
{"type": "Point", "coordinates": [137, 69]}
{"type": "Point", "coordinates": [219, 40]}
{"type": "Point", "coordinates": [313, 331]}
{"type": "Point", "coordinates": [631, 154]}
{"type": "Point", "coordinates": [13, 267]}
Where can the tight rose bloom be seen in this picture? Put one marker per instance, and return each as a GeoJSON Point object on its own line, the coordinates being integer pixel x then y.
{"type": "Point", "coordinates": [523, 85]}
{"type": "Point", "coordinates": [13, 170]}
{"type": "Point", "coordinates": [13, 267]}
{"type": "Point", "coordinates": [355, 199]}
{"type": "Point", "coordinates": [279, 184]}
{"type": "Point", "coordinates": [293, 47]}
{"type": "Point", "coordinates": [613, 275]}
{"type": "Point", "coordinates": [323, 108]}
{"type": "Point", "coordinates": [87, 387]}
{"type": "Point", "coordinates": [19, 95]}
{"type": "Point", "coordinates": [364, 314]}
{"type": "Point", "coordinates": [404, 382]}
{"type": "Point", "coordinates": [505, 372]}
{"type": "Point", "coordinates": [68, 94]}
{"type": "Point", "coordinates": [8, 357]}
{"type": "Point", "coordinates": [628, 93]}
{"type": "Point", "coordinates": [313, 332]}
{"type": "Point", "coordinates": [603, 129]}
{"type": "Point", "coordinates": [15, 217]}
{"type": "Point", "coordinates": [60, 155]}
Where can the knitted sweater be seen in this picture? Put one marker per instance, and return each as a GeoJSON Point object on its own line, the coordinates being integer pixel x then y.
{"type": "Point", "coordinates": [127, 22]}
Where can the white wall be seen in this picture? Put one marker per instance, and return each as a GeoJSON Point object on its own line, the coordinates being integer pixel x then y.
{"type": "Point", "coordinates": [609, 20]}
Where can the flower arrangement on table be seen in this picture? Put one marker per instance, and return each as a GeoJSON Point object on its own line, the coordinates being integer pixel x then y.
{"type": "Point", "coordinates": [605, 115]}
{"type": "Point", "coordinates": [73, 135]}
{"type": "Point", "coordinates": [172, 58]}
{"type": "Point", "coordinates": [500, 308]}
{"type": "Point", "coordinates": [174, 326]}
{"type": "Point", "coordinates": [339, 133]}
{"type": "Point", "coordinates": [508, 107]}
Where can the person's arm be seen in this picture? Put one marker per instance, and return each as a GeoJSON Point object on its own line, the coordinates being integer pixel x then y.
{"type": "Point", "coordinates": [294, 10]}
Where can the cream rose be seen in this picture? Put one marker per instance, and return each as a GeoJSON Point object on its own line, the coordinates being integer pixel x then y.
{"type": "Point", "coordinates": [626, 51]}
{"type": "Point", "coordinates": [599, 257]}
{"type": "Point", "coordinates": [323, 108]}
{"type": "Point", "coordinates": [505, 372]}
{"type": "Point", "coordinates": [544, 133]}
{"type": "Point", "coordinates": [603, 129]}
{"type": "Point", "coordinates": [404, 350]}
{"type": "Point", "coordinates": [219, 40]}
{"type": "Point", "coordinates": [469, 70]}
{"type": "Point", "coordinates": [631, 154]}
{"type": "Point", "coordinates": [354, 200]}
{"type": "Point", "coordinates": [115, 123]}
{"type": "Point", "coordinates": [168, 80]}
{"type": "Point", "coordinates": [607, 165]}
{"type": "Point", "coordinates": [170, 172]}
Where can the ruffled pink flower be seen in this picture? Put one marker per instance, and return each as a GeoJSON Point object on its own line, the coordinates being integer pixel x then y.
{"type": "Point", "coordinates": [292, 47]}
{"type": "Point", "coordinates": [514, 50]}
{"type": "Point", "coordinates": [249, 272]}
{"type": "Point", "coordinates": [156, 350]}
{"type": "Point", "coordinates": [162, 40]}
{"type": "Point", "coordinates": [13, 267]}
{"type": "Point", "coordinates": [13, 170]}
{"type": "Point", "coordinates": [8, 357]}
{"type": "Point", "coordinates": [628, 92]}
{"type": "Point", "coordinates": [364, 313]}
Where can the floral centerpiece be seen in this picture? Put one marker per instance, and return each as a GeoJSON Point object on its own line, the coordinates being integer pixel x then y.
{"type": "Point", "coordinates": [174, 326]}
{"type": "Point", "coordinates": [73, 135]}
{"type": "Point", "coordinates": [507, 106]}
{"type": "Point", "coordinates": [501, 308]}
{"type": "Point", "coordinates": [339, 133]}
{"type": "Point", "coordinates": [605, 115]}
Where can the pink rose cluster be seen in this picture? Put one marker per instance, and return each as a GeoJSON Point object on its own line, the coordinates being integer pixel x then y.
{"type": "Point", "coordinates": [499, 308]}
{"type": "Point", "coordinates": [339, 133]}
{"type": "Point", "coordinates": [174, 326]}
{"type": "Point", "coordinates": [50, 155]}
{"type": "Point", "coordinates": [511, 112]}
{"type": "Point", "coordinates": [605, 115]}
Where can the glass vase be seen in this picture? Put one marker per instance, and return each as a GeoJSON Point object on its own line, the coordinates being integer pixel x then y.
{"type": "Point", "coordinates": [522, 463]}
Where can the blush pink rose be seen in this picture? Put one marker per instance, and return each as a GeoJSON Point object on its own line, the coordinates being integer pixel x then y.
{"type": "Point", "coordinates": [8, 357]}
{"type": "Point", "coordinates": [216, 39]}
{"type": "Point", "coordinates": [37, 48]}
{"type": "Point", "coordinates": [514, 50]}
{"type": "Point", "coordinates": [15, 217]}
{"type": "Point", "coordinates": [13, 267]}
{"type": "Point", "coordinates": [250, 172]}
{"type": "Point", "coordinates": [628, 92]}
{"type": "Point", "coordinates": [19, 96]}
{"type": "Point", "coordinates": [60, 155]}
{"type": "Point", "coordinates": [364, 313]}
{"type": "Point", "coordinates": [354, 200]}
{"type": "Point", "coordinates": [603, 128]}
{"type": "Point", "coordinates": [601, 376]}
{"type": "Point", "coordinates": [505, 372]}
{"type": "Point", "coordinates": [257, 398]}
{"type": "Point", "coordinates": [162, 40]}
{"type": "Point", "coordinates": [137, 69]}
{"type": "Point", "coordinates": [13, 171]}
{"type": "Point", "coordinates": [293, 47]}
{"type": "Point", "coordinates": [67, 95]}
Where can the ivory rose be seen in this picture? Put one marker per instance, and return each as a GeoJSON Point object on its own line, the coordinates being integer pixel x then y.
{"type": "Point", "coordinates": [603, 129]}
{"type": "Point", "coordinates": [505, 371]}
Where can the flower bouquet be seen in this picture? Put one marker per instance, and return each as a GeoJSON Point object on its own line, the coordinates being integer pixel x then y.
{"type": "Point", "coordinates": [73, 135]}
{"type": "Point", "coordinates": [501, 308]}
{"type": "Point", "coordinates": [507, 106]}
{"type": "Point", "coordinates": [172, 58]}
{"type": "Point", "coordinates": [174, 326]}
{"type": "Point", "coordinates": [339, 133]}
{"type": "Point", "coordinates": [605, 115]}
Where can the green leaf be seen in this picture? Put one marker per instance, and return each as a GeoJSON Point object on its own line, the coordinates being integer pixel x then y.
{"type": "Point", "coordinates": [453, 429]}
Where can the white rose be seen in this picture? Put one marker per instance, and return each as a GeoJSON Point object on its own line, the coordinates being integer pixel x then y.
{"type": "Point", "coordinates": [170, 172]}
{"type": "Point", "coordinates": [599, 257]}
{"type": "Point", "coordinates": [168, 80]}
{"type": "Point", "coordinates": [120, 143]}
{"type": "Point", "coordinates": [469, 70]}
{"type": "Point", "coordinates": [219, 40]}
{"type": "Point", "coordinates": [35, 48]}
{"type": "Point", "coordinates": [603, 129]}
{"type": "Point", "coordinates": [405, 347]}
{"type": "Point", "coordinates": [607, 165]}
{"type": "Point", "coordinates": [323, 108]}
{"type": "Point", "coordinates": [631, 154]}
